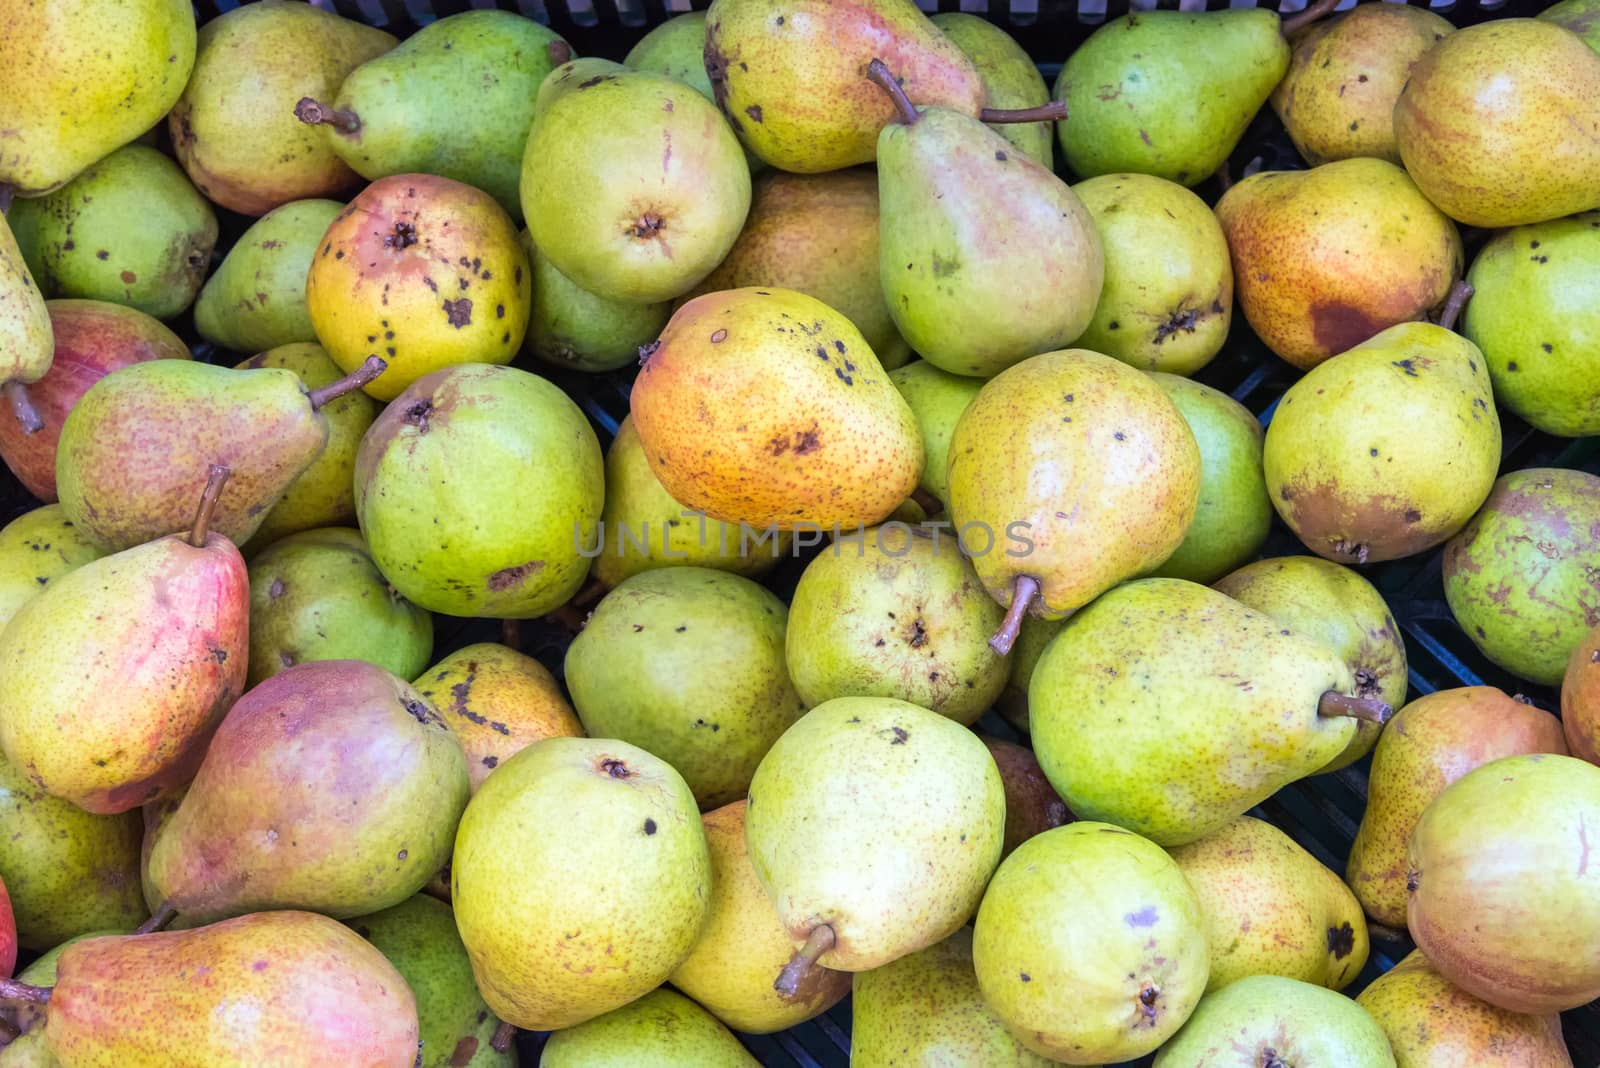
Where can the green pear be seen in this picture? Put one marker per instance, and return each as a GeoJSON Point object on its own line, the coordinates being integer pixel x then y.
{"type": "Point", "coordinates": [936, 398]}
{"type": "Point", "coordinates": [1031, 641]}
{"type": "Point", "coordinates": [663, 1029]}
{"type": "Point", "coordinates": [575, 74]}
{"type": "Point", "coordinates": [688, 664]}
{"type": "Point", "coordinates": [1233, 515]}
{"type": "Point", "coordinates": [1032, 804]}
{"type": "Point", "coordinates": [1577, 16]}
{"type": "Point", "coordinates": [581, 880]}
{"type": "Point", "coordinates": [1090, 945]}
{"type": "Point", "coordinates": [676, 48]}
{"type": "Point", "coordinates": [36, 548]}
{"type": "Point", "coordinates": [256, 299]}
{"type": "Point", "coordinates": [571, 328]}
{"type": "Point", "coordinates": [25, 329]}
{"type": "Point", "coordinates": [1270, 1020]}
{"type": "Point", "coordinates": [1010, 80]}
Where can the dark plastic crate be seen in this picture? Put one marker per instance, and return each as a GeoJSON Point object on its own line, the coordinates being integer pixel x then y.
{"type": "Point", "coordinates": [1321, 813]}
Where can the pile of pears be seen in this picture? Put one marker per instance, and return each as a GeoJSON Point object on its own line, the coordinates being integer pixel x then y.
{"type": "Point", "coordinates": [928, 631]}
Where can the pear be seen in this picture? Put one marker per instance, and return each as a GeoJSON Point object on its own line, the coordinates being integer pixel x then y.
{"type": "Point", "coordinates": [1271, 908]}
{"type": "Point", "coordinates": [1338, 607]}
{"type": "Point", "coordinates": [660, 1030]}
{"type": "Point", "coordinates": [571, 328]}
{"type": "Point", "coordinates": [109, 710]}
{"type": "Point", "coordinates": [1432, 1023]}
{"type": "Point", "coordinates": [1233, 515]}
{"type": "Point", "coordinates": [1503, 835]}
{"type": "Point", "coordinates": [478, 490]}
{"type": "Point", "coordinates": [317, 595]}
{"type": "Point", "coordinates": [675, 48]}
{"type": "Point", "coordinates": [1580, 699]}
{"type": "Point", "coordinates": [743, 944]}
{"type": "Point", "coordinates": [874, 825]}
{"type": "Point", "coordinates": [331, 786]}
{"type": "Point", "coordinates": [688, 664]}
{"type": "Point", "coordinates": [1158, 683]}
{"type": "Point", "coordinates": [25, 329]}
{"type": "Point", "coordinates": [571, 76]}
{"type": "Point", "coordinates": [1031, 641]}
{"type": "Point", "coordinates": [256, 299]}
{"type": "Point", "coordinates": [92, 339]}
{"type": "Point", "coordinates": [135, 56]}
{"type": "Point", "coordinates": [497, 702]}
{"type": "Point", "coordinates": [900, 614]}
{"type": "Point", "coordinates": [985, 256]}
{"type": "Point", "coordinates": [1345, 74]}
{"type": "Point", "coordinates": [1532, 285]}
{"type": "Point", "coordinates": [247, 151]}
{"type": "Point", "coordinates": [1328, 258]}
{"type": "Point", "coordinates": [26, 1015]}
{"type": "Point", "coordinates": [1520, 577]}
{"type": "Point", "coordinates": [1087, 469]}
{"type": "Point", "coordinates": [926, 1007]}
{"type": "Point", "coordinates": [581, 880]}
{"type": "Point", "coordinates": [425, 271]}
{"type": "Point", "coordinates": [806, 427]}
{"type": "Point", "coordinates": [1521, 154]}
{"type": "Point", "coordinates": [1032, 804]}
{"type": "Point", "coordinates": [36, 548]}
{"type": "Point", "coordinates": [1011, 80]}
{"type": "Point", "coordinates": [1386, 450]}
{"type": "Point", "coordinates": [1575, 15]}
{"type": "Point", "coordinates": [418, 936]}
{"type": "Point", "coordinates": [1090, 946]}
{"type": "Point", "coordinates": [454, 100]}
{"type": "Point", "coordinates": [936, 398]}
{"type": "Point", "coordinates": [1268, 1020]}
{"type": "Point", "coordinates": [632, 185]}
{"type": "Point", "coordinates": [157, 817]}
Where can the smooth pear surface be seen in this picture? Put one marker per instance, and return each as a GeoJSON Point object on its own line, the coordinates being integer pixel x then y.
{"type": "Point", "coordinates": [663, 1029]}
{"type": "Point", "coordinates": [936, 398]}
{"type": "Point", "coordinates": [256, 298]}
{"type": "Point", "coordinates": [36, 548]}
{"type": "Point", "coordinates": [1268, 1018]}
{"type": "Point", "coordinates": [1010, 79]}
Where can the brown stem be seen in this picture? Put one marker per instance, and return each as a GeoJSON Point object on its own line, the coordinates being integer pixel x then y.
{"type": "Point", "coordinates": [371, 368]}
{"type": "Point", "coordinates": [927, 501]}
{"type": "Point", "coordinates": [818, 942]}
{"type": "Point", "coordinates": [559, 51]}
{"type": "Point", "coordinates": [1314, 11]}
{"type": "Point", "coordinates": [1460, 293]}
{"type": "Point", "coordinates": [216, 478]}
{"type": "Point", "coordinates": [1051, 112]}
{"type": "Point", "coordinates": [22, 406]}
{"type": "Point", "coordinates": [878, 71]}
{"type": "Point", "coordinates": [511, 634]}
{"type": "Point", "coordinates": [1334, 703]}
{"type": "Point", "coordinates": [592, 591]}
{"type": "Point", "coordinates": [7, 191]}
{"type": "Point", "coordinates": [11, 990]}
{"type": "Point", "coordinates": [1023, 590]}
{"type": "Point", "coordinates": [501, 1042]}
{"type": "Point", "coordinates": [1385, 933]}
{"type": "Point", "coordinates": [315, 113]}
{"type": "Point", "coordinates": [164, 915]}
{"type": "Point", "coordinates": [1225, 176]}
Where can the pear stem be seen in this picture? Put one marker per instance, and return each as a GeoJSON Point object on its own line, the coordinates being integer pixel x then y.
{"type": "Point", "coordinates": [11, 990]}
{"type": "Point", "coordinates": [1460, 293]}
{"type": "Point", "coordinates": [1054, 111]}
{"type": "Point", "coordinates": [315, 113]}
{"type": "Point", "coordinates": [7, 190]}
{"type": "Point", "coordinates": [164, 915]}
{"type": "Point", "coordinates": [1334, 703]}
{"type": "Point", "coordinates": [216, 478]}
{"type": "Point", "coordinates": [927, 501]}
{"type": "Point", "coordinates": [1385, 933]}
{"type": "Point", "coordinates": [819, 941]}
{"type": "Point", "coordinates": [878, 72]}
{"type": "Point", "coordinates": [1314, 11]}
{"type": "Point", "coordinates": [370, 369]}
{"type": "Point", "coordinates": [501, 1042]}
{"type": "Point", "coordinates": [22, 406]}
{"type": "Point", "coordinates": [559, 51]}
{"type": "Point", "coordinates": [511, 634]}
{"type": "Point", "coordinates": [1023, 591]}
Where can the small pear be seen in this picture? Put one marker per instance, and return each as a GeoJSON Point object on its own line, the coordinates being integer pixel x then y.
{"type": "Point", "coordinates": [25, 330]}
{"type": "Point", "coordinates": [256, 299]}
{"type": "Point", "coordinates": [1268, 1019]}
{"type": "Point", "coordinates": [676, 48]}
{"type": "Point", "coordinates": [1580, 699]}
{"type": "Point", "coordinates": [571, 328]}
{"type": "Point", "coordinates": [1032, 804]}
{"type": "Point", "coordinates": [663, 1029]}
{"type": "Point", "coordinates": [1011, 80]}
{"type": "Point", "coordinates": [36, 548]}
{"type": "Point", "coordinates": [936, 398]}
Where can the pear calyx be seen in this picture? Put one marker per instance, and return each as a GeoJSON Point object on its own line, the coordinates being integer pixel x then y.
{"type": "Point", "coordinates": [1314, 11]}
{"type": "Point", "coordinates": [1453, 305]}
{"type": "Point", "coordinates": [878, 72]}
{"type": "Point", "coordinates": [216, 478]}
{"type": "Point", "coordinates": [315, 113]}
{"type": "Point", "coordinates": [370, 368]}
{"type": "Point", "coordinates": [793, 976]}
{"type": "Point", "coordinates": [1334, 703]}
{"type": "Point", "coordinates": [163, 916]}
{"type": "Point", "coordinates": [22, 406]}
{"type": "Point", "coordinates": [1023, 590]}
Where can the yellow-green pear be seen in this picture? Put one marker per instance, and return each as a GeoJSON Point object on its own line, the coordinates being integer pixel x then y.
{"type": "Point", "coordinates": [937, 398]}
{"type": "Point", "coordinates": [1010, 79]}
{"type": "Point", "coordinates": [36, 548]}
{"type": "Point", "coordinates": [256, 298]}
{"type": "Point", "coordinates": [1267, 1020]}
{"type": "Point", "coordinates": [25, 331]}
{"type": "Point", "coordinates": [663, 1029]}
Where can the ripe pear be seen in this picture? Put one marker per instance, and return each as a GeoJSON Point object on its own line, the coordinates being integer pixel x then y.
{"type": "Point", "coordinates": [659, 1030]}
{"type": "Point", "coordinates": [1533, 286]}
{"type": "Point", "coordinates": [936, 398]}
{"type": "Point", "coordinates": [1268, 1020]}
{"type": "Point", "coordinates": [1500, 892]}
{"type": "Point", "coordinates": [1032, 804]}
{"type": "Point", "coordinates": [1271, 908]}
{"type": "Point", "coordinates": [256, 299]}
{"type": "Point", "coordinates": [478, 491]}
{"type": "Point", "coordinates": [1327, 258]}
{"type": "Point", "coordinates": [1090, 946]}
{"type": "Point", "coordinates": [675, 48]}
{"type": "Point", "coordinates": [246, 150]}
{"type": "Point", "coordinates": [36, 548]}
{"type": "Point", "coordinates": [26, 1015]}
{"type": "Point", "coordinates": [1031, 641]}
{"type": "Point", "coordinates": [1386, 450]}
{"type": "Point", "coordinates": [688, 664]}
{"type": "Point", "coordinates": [497, 702]}
{"type": "Point", "coordinates": [1167, 301]}
{"type": "Point", "coordinates": [1575, 15]}
{"type": "Point", "coordinates": [1085, 467]}
{"type": "Point", "coordinates": [743, 944]}
{"type": "Point", "coordinates": [581, 880]}
{"type": "Point", "coordinates": [25, 329]}
{"type": "Point", "coordinates": [1520, 578]}
{"type": "Point", "coordinates": [1432, 1023]}
{"type": "Point", "coordinates": [1010, 80]}
{"type": "Point", "coordinates": [806, 427]}
{"type": "Point", "coordinates": [874, 825]}
{"type": "Point", "coordinates": [1148, 691]}
{"type": "Point", "coordinates": [1580, 699]}
{"type": "Point", "coordinates": [1525, 152]}
{"type": "Point", "coordinates": [81, 79]}
{"type": "Point", "coordinates": [1338, 607]}
{"type": "Point", "coordinates": [571, 328]}
{"type": "Point", "coordinates": [896, 611]}
{"type": "Point", "coordinates": [332, 786]}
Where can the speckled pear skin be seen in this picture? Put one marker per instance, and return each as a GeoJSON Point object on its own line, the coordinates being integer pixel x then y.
{"type": "Point", "coordinates": [1580, 699]}
{"type": "Point", "coordinates": [1090, 945]}
{"type": "Point", "coordinates": [36, 548]}
{"type": "Point", "coordinates": [1345, 74]}
{"type": "Point", "coordinates": [1035, 635]}
{"type": "Point", "coordinates": [1327, 258]}
{"type": "Point", "coordinates": [1386, 450]}
{"type": "Point", "coordinates": [1168, 708]}
{"type": "Point", "coordinates": [1267, 1017]}
{"type": "Point", "coordinates": [1032, 804]}
{"type": "Point", "coordinates": [24, 321]}
{"type": "Point", "coordinates": [1271, 908]}
{"type": "Point", "coordinates": [571, 328]}
{"type": "Point", "coordinates": [1335, 605]}
{"type": "Point", "coordinates": [275, 987]}
{"type": "Point", "coordinates": [122, 67]}
{"type": "Point", "coordinates": [1010, 79]}
{"type": "Point", "coordinates": [663, 1029]}
{"type": "Point", "coordinates": [1083, 471]}
{"type": "Point", "coordinates": [332, 786]}
{"type": "Point", "coordinates": [1577, 16]}
{"type": "Point", "coordinates": [908, 807]}
{"type": "Point", "coordinates": [1500, 890]}
{"type": "Point", "coordinates": [803, 424]}
{"type": "Point", "coordinates": [797, 91]}
{"type": "Point", "coordinates": [28, 1051]}
{"type": "Point", "coordinates": [581, 880]}
{"type": "Point", "coordinates": [744, 945]}
{"type": "Point", "coordinates": [1432, 1023]}
{"type": "Point", "coordinates": [1522, 154]}
{"type": "Point", "coordinates": [256, 298]}
{"type": "Point", "coordinates": [27, 1016]}
{"type": "Point", "coordinates": [937, 398]}
{"type": "Point", "coordinates": [1520, 578]}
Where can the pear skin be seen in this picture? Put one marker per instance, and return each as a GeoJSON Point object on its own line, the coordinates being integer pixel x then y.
{"type": "Point", "coordinates": [1010, 80]}
{"type": "Point", "coordinates": [1577, 16]}
{"type": "Point", "coordinates": [36, 548]}
{"type": "Point", "coordinates": [1032, 804]}
{"type": "Point", "coordinates": [1264, 1019]}
{"type": "Point", "coordinates": [937, 398]}
{"type": "Point", "coordinates": [256, 299]}
{"type": "Point", "coordinates": [675, 48]}
{"type": "Point", "coordinates": [1580, 699]}
{"type": "Point", "coordinates": [572, 329]}
{"type": "Point", "coordinates": [660, 1030]}
{"type": "Point", "coordinates": [24, 330]}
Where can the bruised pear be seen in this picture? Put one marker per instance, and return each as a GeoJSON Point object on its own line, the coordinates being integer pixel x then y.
{"type": "Point", "coordinates": [36, 548]}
